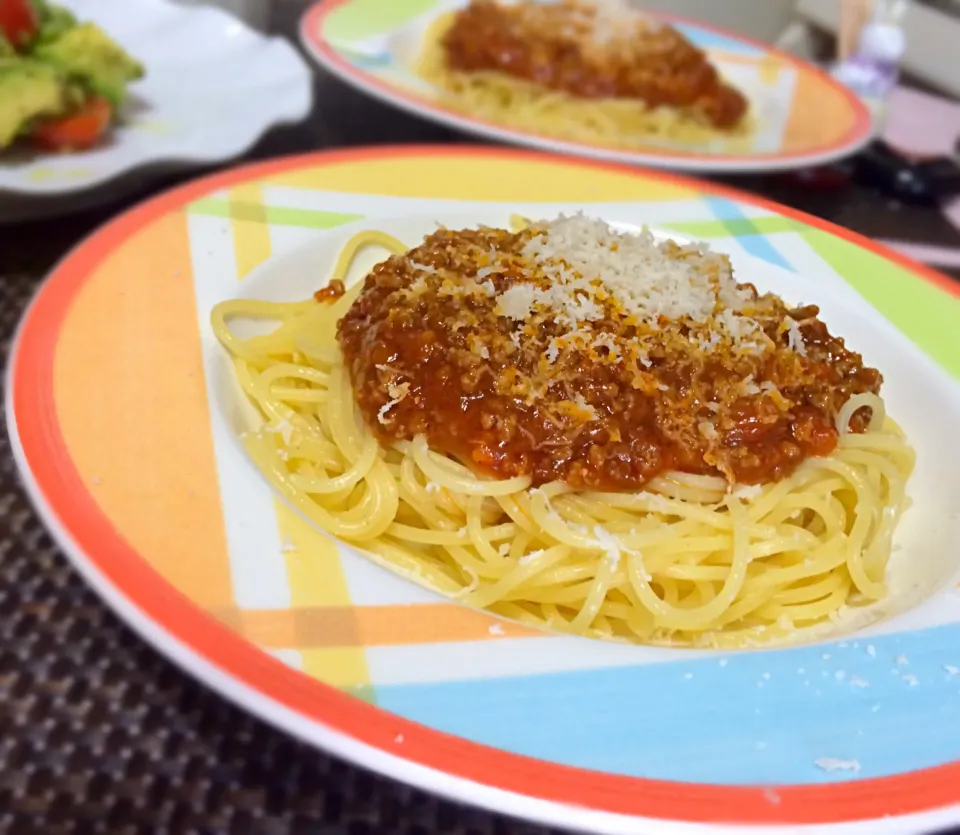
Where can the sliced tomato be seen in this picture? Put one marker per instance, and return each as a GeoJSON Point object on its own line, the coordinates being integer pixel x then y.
{"type": "Point", "coordinates": [18, 22]}
{"type": "Point", "coordinates": [81, 129]}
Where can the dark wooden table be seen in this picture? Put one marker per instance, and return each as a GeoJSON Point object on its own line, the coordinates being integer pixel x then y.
{"type": "Point", "coordinates": [98, 734]}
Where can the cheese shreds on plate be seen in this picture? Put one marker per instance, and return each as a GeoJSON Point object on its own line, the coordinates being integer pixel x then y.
{"type": "Point", "coordinates": [595, 270]}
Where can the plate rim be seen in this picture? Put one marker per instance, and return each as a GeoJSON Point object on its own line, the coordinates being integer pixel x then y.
{"type": "Point", "coordinates": [860, 134]}
{"type": "Point", "coordinates": [331, 719]}
{"type": "Point", "coordinates": [176, 160]}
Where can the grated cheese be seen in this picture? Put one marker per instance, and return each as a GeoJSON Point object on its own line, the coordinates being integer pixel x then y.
{"type": "Point", "coordinates": [516, 302]}
{"type": "Point", "coordinates": [795, 337]}
{"type": "Point", "coordinates": [526, 559]}
{"type": "Point", "coordinates": [581, 404]}
{"type": "Point", "coordinates": [283, 427]}
{"type": "Point", "coordinates": [747, 492]}
{"type": "Point", "coordinates": [397, 392]}
{"type": "Point", "coordinates": [610, 20]}
{"type": "Point", "coordinates": [837, 764]}
{"type": "Point", "coordinates": [611, 545]}
{"type": "Point", "coordinates": [592, 268]}
{"type": "Point", "coordinates": [553, 351]}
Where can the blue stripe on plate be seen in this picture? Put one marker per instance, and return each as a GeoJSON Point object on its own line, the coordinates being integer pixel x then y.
{"type": "Point", "coordinates": [891, 703]}
{"type": "Point", "coordinates": [367, 60]}
{"type": "Point", "coordinates": [706, 39]}
{"type": "Point", "coordinates": [742, 227]}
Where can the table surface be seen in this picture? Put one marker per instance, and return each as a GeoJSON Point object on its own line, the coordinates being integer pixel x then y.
{"type": "Point", "coordinates": [98, 733]}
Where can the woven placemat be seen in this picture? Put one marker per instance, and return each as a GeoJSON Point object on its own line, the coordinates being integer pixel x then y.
{"type": "Point", "coordinates": [99, 734]}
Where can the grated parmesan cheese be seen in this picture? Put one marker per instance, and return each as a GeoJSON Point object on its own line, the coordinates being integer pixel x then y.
{"type": "Point", "coordinates": [795, 337]}
{"type": "Point", "coordinates": [837, 764]}
{"type": "Point", "coordinates": [283, 427]}
{"type": "Point", "coordinates": [582, 404]}
{"type": "Point", "coordinates": [516, 302]}
{"type": "Point", "coordinates": [593, 269]}
{"type": "Point", "coordinates": [397, 392]}
{"type": "Point", "coordinates": [611, 545]}
{"type": "Point", "coordinates": [575, 251]}
{"type": "Point", "coordinates": [526, 559]}
{"type": "Point", "coordinates": [747, 492]}
{"type": "Point", "coordinates": [553, 351]}
{"type": "Point", "coordinates": [612, 20]}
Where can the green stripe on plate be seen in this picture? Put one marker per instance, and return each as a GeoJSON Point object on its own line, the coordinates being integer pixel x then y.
{"type": "Point", "coordinates": [359, 19]}
{"type": "Point", "coordinates": [925, 313]}
{"type": "Point", "coordinates": [735, 227]}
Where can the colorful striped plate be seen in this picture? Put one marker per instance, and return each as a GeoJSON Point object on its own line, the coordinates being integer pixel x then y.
{"type": "Point", "coordinates": [803, 116]}
{"type": "Point", "coordinates": [120, 415]}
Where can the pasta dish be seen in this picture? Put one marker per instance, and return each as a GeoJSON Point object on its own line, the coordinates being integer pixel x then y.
{"type": "Point", "coordinates": [593, 71]}
{"type": "Point", "coordinates": [581, 428]}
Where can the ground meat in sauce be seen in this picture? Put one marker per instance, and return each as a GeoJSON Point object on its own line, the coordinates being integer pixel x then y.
{"type": "Point", "coordinates": [551, 45]}
{"type": "Point", "coordinates": [467, 380]}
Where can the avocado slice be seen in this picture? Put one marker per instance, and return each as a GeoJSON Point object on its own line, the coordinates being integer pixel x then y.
{"type": "Point", "coordinates": [88, 54]}
{"type": "Point", "coordinates": [28, 90]}
{"type": "Point", "coordinates": [54, 21]}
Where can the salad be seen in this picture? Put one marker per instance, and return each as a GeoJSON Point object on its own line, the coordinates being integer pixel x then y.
{"type": "Point", "coordinates": [62, 81]}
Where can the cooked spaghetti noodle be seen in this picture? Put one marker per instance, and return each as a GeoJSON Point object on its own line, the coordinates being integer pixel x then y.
{"type": "Point", "coordinates": [689, 558]}
{"type": "Point", "coordinates": [488, 71]}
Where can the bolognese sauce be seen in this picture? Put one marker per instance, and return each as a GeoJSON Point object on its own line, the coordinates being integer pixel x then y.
{"type": "Point", "coordinates": [592, 50]}
{"type": "Point", "coordinates": [572, 351]}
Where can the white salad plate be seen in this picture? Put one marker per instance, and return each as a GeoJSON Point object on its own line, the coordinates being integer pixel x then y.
{"type": "Point", "coordinates": [213, 87]}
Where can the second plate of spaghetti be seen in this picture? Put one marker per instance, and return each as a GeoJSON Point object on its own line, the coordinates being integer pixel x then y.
{"type": "Point", "coordinates": [594, 77]}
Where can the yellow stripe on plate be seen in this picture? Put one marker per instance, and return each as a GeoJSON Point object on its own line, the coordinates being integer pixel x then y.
{"type": "Point", "coordinates": [480, 178]}
{"type": "Point", "coordinates": [251, 232]}
{"type": "Point", "coordinates": [314, 572]}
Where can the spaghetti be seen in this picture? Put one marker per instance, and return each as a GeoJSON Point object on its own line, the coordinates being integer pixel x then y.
{"type": "Point", "coordinates": [557, 71]}
{"type": "Point", "coordinates": [681, 553]}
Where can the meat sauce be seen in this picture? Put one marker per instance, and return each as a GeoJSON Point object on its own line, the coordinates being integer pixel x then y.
{"type": "Point", "coordinates": [467, 378]}
{"type": "Point", "coordinates": [553, 45]}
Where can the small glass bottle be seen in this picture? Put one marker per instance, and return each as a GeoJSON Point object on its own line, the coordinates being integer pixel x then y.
{"type": "Point", "coordinates": [872, 71]}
